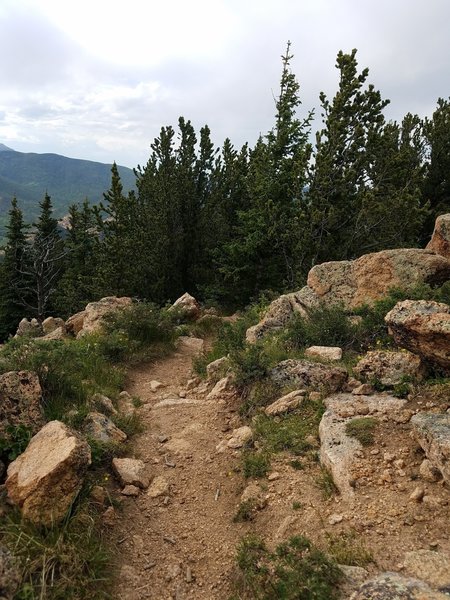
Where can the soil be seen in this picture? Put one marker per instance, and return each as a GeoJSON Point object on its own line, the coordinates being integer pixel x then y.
{"type": "Point", "coordinates": [182, 544]}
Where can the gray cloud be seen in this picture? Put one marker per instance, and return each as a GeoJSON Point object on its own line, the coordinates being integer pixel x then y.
{"type": "Point", "coordinates": [57, 98]}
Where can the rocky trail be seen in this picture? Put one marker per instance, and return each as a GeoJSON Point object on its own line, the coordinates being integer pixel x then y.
{"type": "Point", "coordinates": [177, 539]}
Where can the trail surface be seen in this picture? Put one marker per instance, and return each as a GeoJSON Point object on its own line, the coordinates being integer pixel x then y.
{"type": "Point", "coordinates": [181, 543]}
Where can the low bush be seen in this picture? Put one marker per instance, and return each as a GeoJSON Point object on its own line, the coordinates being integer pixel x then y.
{"type": "Point", "coordinates": [347, 549]}
{"type": "Point", "coordinates": [296, 570]}
{"type": "Point", "coordinates": [255, 464]}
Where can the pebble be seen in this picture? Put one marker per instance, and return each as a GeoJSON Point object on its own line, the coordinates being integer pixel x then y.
{"type": "Point", "coordinates": [273, 476]}
{"type": "Point", "coordinates": [334, 519]}
{"type": "Point", "coordinates": [418, 494]}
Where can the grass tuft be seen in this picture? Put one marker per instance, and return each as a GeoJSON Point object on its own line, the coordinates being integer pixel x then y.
{"type": "Point", "coordinates": [362, 429]}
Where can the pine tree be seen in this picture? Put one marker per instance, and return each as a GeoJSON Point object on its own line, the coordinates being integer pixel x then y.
{"type": "Point", "coordinates": [11, 305]}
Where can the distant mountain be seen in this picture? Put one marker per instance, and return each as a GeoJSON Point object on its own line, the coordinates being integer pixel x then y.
{"type": "Point", "coordinates": [28, 176]}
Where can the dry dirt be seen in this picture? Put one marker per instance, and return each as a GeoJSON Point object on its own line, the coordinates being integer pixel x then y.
{"type": "Point", "coordinates": [182, 544]}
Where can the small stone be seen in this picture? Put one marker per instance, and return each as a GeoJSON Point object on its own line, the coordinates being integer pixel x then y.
{"type": "Point", "coordinates": [429, 472]}
{"type": "Point", "coordinates": [418, 494]}
{"type": "Point", "coordinates": [273, 476]}
{"type": "Point", "coordinates": [315, 396]}
{"type": "Point", "coordinates": [388, 457]}
{"type": "Point", "coordinates": [182, 393]}
{"type": "Point", "coordinates": [130, 490]}
{"type": "Point", "coordinates": [109, 517]}
{"type": "Point", "coordinates": [365, 389]}
{"type": "Point", "coordinates": [334, 519]}
{"type": "Point", "coordinates": [162, 438]}
{"type": "Point", "coordinates": [240, 437]}
{"type": "Point", "coordinates": [158, 487]}
{"type": "Point", "coordinates": [375, 452]}
{"type": "Point", "coordinates": [98, 494]}
{"type": "Point", "coordinates": [130, 471]}
{"type": "Point", "coordinates": [188, 576]}
{"type": "Point", "coordinates": [400, 463]}
{"type": "Point", "coordinates": [155, 385]}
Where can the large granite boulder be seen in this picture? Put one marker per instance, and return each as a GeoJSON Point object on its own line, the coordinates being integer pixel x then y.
{"type": "Point", "coordinates": [91, 318]}
{"type": "Point", "coordinates": [280, 311]}
{"type": "Point", "coordinates": [20, 401]}
{"type": "Point", "coordinates": [187, 306]}
{"type": "Point", "coordinates": [389, 367]}
{"type": "Point", "coordinates": [44, 480]}
{"type": "Point", "coordinates": [432, 432]}
{"type": "Point", "coordinates": [423, 327]}
{"type": "Point", "coordinates": [307, 374]}
{"type": "Point", "coordinates": [369, 278]}
{"type": "Point", "coordinates": [440, 240]}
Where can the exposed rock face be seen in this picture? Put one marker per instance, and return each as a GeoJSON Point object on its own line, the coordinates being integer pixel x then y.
{"type": "Point", "coordinates": [303, 373]}
{"type": "Point", "coordinates": [423, 327]}
{"type": "Point", "coordinates": [286, 403]}
{"type": "Point", "coordinates": [337, 451]}
{"type": "Point", "coordinates": [389, 367]}
{"type": "Point", "coordinates": [432, 432]}
{"type": "Point", "coordinates": [20, 401]}
{"type": "Point", "coordinates": [45, 479]}
{"type": "Point", "coordinates": [217, 369]}
{"type": "Point", "coordinates": [188, 307]}
{"type": "Point", "coordinates": [102, 429]}
{"type": "Point", "coordinates": [280, 311]}
{"type": "Point", "coordinates": [353, 283]}
{"type": "Point", "coordinates": [324, 352]}
{"type": "Point", "coordinates": [392, 586]}
{"type": "Point", "coordinates": [440, 240]}
{"type": "Point", "coordinates": [74, 324]}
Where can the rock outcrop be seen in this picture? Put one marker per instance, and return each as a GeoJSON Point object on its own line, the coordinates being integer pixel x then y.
{"type": "Point", "coordinates": [423, 327]}
{"type": "Point", "coordinates": [91, 318]}
{"type": "Point", "coordinates": [20, 401]}
{"type": "Point", "coordinates": [432, 432]}
{"type": "Point", "coordinates": [30, 328]}
{"type": "Point", "coordinates": [440, 240]}
{"type": "Point", "coordinates": [306, 374]}
{"type": "Point", "coordinates": [188, 307]}
{"type": "Point", "coordinates": [389, 367]}
{"type": "Point", "coordinates": [392, 586]}
{"type": "Point", "coordinates": [45, 479]}
{"type": "Point", "coordinates": [286, 403]}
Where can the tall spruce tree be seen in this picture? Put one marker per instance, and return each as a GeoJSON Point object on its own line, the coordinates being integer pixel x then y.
{"type": "Point", "coordinates": [265, 250]}
{"type": "Point", "coordinates": [11, 305]}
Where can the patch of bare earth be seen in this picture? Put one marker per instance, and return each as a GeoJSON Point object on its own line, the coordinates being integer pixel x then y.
{"type": "Point", "coordinates": [182, 543]}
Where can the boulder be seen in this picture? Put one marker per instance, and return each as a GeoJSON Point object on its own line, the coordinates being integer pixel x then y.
{"type": "Point", "coordinates": [103, 404]}
{"type": "Point", "coordinates": [280, 311]}
{"type": "Point", "coordinates": [102, 429]}
{"type": "Point", "coordinates": [57, 334]}
{"type": "Point", "coordinates": [324, 352]}
{"type": "Point", "coordinates": [432, 432]}
{"type": "Point", "coordinates": [10, 575]}
{"type": "Point", "coordinates": [30, 328]}
{"type": "Point", "coordinates": [286, 403]}
{"type": "Point", "coordinates": [389, 367]}
{"type": "Point", "coordinates": [44, 480]}
{"type": "Point", "coordinates": [20, 401]}
{"type": "Point", "coordinates": [392, 586]}
{"type": "Point", "coordinates": [223, 386]}
{"type": "Point", "coordinates": [130, 471]}
{"type": "Point", "coordinates": [440, 240]}
{"type": "Point", "coordinates": [51, 323]}
{"type": "Point", "coordinates": [187, 306]}
{"type": "Point", "coordinates": [369, 278]}
{"type": "Point", "coordinates": [217, 369]}
{"type": "Point", "coordinates": [240, 437]}
{"type": "Point", "coordinates": [74, 324]}
{"type": "Point", "coordinates": [303, 373]}
{"type": "Point", "coordinates": [95, 312]}
{"type": "Point", "coordinates": [430, 566]}
{"type": "Point", "coordinates": [423, 327]}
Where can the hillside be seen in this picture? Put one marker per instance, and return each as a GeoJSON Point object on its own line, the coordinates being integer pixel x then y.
{"type": "Point", "coordinates": [28, 176]}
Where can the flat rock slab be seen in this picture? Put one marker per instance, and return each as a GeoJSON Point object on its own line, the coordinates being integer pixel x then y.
{"type": "Point", "coordinates": [432, 432]}
{"type": "Point", "coordinates": [304, 373]}
{"type": "Point", "coordinates": [286, 403]}
{"type": "Point", "coordinates": [45, 479]}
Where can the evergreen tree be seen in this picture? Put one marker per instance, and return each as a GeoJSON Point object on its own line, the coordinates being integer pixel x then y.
{"type": "Point", "coordinates": [11, 305]}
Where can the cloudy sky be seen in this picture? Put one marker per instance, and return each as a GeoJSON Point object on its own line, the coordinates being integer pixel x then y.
{"type": "Point", "coordinates": [96, 79]}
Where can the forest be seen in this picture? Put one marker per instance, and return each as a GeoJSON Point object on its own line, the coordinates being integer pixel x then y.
{"type": "Point", "coordinates": [229, 224]}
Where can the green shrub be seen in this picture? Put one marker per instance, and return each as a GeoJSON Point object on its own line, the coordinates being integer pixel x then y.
{"type": "Point", "coordinates": [245, 512]}
{"type": "Point", "coordinates": [347, 549]}
{"type": "Point", "coordinates": [362, 429]}
{"type": "Point", "coordinates": [249, 365]}
{"type": "Point", "coordinates": [69, 371]}
{"type": "Point", "coordinates": [295, 571]}
{"type": "Point", "coordinates": [15, 441]}
{"type": "Point", "coordinates": [255, 464]}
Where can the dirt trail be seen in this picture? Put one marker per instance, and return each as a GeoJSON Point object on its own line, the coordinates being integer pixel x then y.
{"type": "Point", "coordinates": [180, 544]}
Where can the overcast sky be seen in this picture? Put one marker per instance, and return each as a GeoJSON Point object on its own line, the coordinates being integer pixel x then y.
{"type": "Point", "coordinates": [96, 79]}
